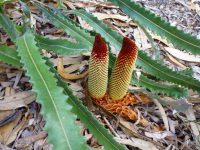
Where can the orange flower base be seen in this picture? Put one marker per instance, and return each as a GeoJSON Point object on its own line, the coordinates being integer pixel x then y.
{"type": "Point", "coordinates": [121, 107]}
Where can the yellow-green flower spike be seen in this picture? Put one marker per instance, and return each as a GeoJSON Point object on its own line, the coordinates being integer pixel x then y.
{"type": "Point", "coordinates": [122, 72]}
{"type": "Point", "coordinates": [98, 69]}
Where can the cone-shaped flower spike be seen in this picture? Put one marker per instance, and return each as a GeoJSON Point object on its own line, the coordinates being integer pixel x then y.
{"type": "Point", "coordinates": [98, 69]}
{"type": "Point", "coordinates": [122, 71]}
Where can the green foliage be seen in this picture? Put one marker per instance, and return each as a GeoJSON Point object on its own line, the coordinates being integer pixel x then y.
{"type": "Point", "coordinates": [180, 105]}
{"type": "Point", "coordinates": [64, 23]}
{"type": "Point", "coordinates": [7, 25]}
{"type": "Point", "coordinates": [5, 1]}
{"type": "Point", "coordinates": [165, 73]}
{"type": "Point", "coordinates": [60, 121]}
{"type": "Point", "coordinates": [170, 90]}
{"type": "Point", "coordinates": [60, 46]}
{"type": "Point", "coordinates": [59, 105]}
{"type": "Point", "coordinates": [113, 38]}
{"type": "Point", "coordinates": [9, 56]}
{"type": "Point", "coordinates": [154, 23]}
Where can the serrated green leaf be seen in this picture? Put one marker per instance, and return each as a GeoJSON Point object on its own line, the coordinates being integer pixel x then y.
{"type": "Point", "coordinates": [180, 105]}
{"type": "Point", "coordinates": [114, 38]}
{"type": "Point", "coordinates": [60, 46]}
{"type": "Point", "coordinates": [9, 56]}
{"type": "Point", "coordinates": [148, 65]}
{"type": "Point", "coordinates": [25, 9]}
{"type": "Point", "coordinates": [2, 2]}
{"type": "Point", "coordinates": [162, 72]}
{"type": "Point", "coordinates": [64, 23]}
{"type": "Point", "coordinates": [8, 26]}
{"type": "Point", "coordinates": [156, 24]}
{"type": "Point", "coordinates": [60, 121]}
{"type": "Point", "coordinates": [97, 129]}
{"type": "Point", "coordinates": [170, 90]}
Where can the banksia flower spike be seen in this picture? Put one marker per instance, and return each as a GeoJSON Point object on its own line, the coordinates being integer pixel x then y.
{"type": "Point", "coordinates": [98, 69]}
{"type": "Point", "coordinates": [122, 72]}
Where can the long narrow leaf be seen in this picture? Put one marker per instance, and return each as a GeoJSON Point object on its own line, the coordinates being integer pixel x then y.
{"type": "Point", "coordinates": [61, 46]}
{"type": "Point", "coordinates": [9, 56]}
{"type": "Point", "coordinates": [60, 121]}
{"type": "Point", "coordinates": [154, 23]}
{"type": "Point", "coordinates": [170, 90]}
{"type": "Point", "coordinates": [160, 71]}
{"type": "Point", "coordinates": [73, 30]}
{"type": "Point", "coordinates": [8, 25]}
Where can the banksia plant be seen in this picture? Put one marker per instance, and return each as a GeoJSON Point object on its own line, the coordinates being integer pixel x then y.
{"type": "Point", "coordinates": [98, 69]}
{"type": "Point", "coordinates": [122, 72]}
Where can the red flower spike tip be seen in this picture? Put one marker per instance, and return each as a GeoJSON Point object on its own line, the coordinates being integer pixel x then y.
{"type": "Point", "coordinates": [122, 72]}
{"type": "Point", "coordinates": [98, 69]}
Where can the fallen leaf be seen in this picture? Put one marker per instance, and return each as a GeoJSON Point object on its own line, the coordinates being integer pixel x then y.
{"type": "Point", "coordinates": [141, 39]}
{"type": "Point", "coordinates": [176, 61]}
{"type": "Point", "coordinates": [3, 147]}
{"type": "Point", "coordinates": [191, 117]}
{"type": "Point", "coordinates": [76, 87]}
{"type": "Point", "coordinates": [26, 141]}
{"type": "Point", "coordinates": [182, 55]}
{"type": "Point", "coordinates": [6, 131]}
{"type": "Point", "coordinates": [21, 99]}
{"type": "Point", "coordinates": [195, 7]}
{"type": "Point", "coordinates": [15, 131]}
{"type": "Point", "coordinates": [136, 142]}
{"type": "Point", "coordinates": [68, 60]}
{"type": "Point", "coordinates": [159, 38]}
{"type": "Point", "coordinates": [102, 16]}
{"type": "Point", "coordinates": [159, 135]}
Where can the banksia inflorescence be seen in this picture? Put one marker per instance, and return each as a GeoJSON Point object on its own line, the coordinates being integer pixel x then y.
{"type": "Point", "coordinates": [122, 72]}
{"type": "Point", "coordinates": [117, 99]}
{"type": "Point", "coordinates": [98, 69]}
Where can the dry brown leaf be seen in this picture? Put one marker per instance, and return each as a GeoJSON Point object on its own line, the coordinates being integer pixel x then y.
{"type": "Point", "coordinates": [159, 135]}
{"type": "Point", "coordinates": [93, 4]}
{"type": "Point", "coordinates": [68, 60]}
{"type": "Point", "coordinates": [69, 76]}
{"type": "Point", "coordinates": [191, 117]}
{"type": "Point", "coordinates": [195, 7]}
{"type": "Point", "coordinates": [6, 84]}
{"type": "Point", "coordinates": [172, 124]}
{"type": "Point", "coordinates": [75, 67]}
{"type": "Point", "coordinates": [141, 39]}
{"type": "Point", "coordinates": [76, 86]}
{"type": "Point", "coordinates": [82, 22]}
{"type": "Point", "coordinates": [15, 131]}
{"type": "Point", "coordinates": [21, 99]}
{"type": "Point", "coordinates": [163, 114]}
{"type": "Point", "coordinates": [3, 147]}
{"type": "Point", "coordinates": [136, 142]}
{"type": "Point", "coordinates": [2, 69]}
{"type": "Point", "coordinates": [157, 37]}
{"type": "Point", "coordinates": [182, 55]}
{"type": "Point", "coordinates": [176, 61]}
{"type": "Point", "coordinates": [6, 131]}
{"type": "Point", "coordinates": [17, 79]}
{"type": "Point", "coordinates": [26, 141]}
{"type": "Point", "coordinates": [102, 16]}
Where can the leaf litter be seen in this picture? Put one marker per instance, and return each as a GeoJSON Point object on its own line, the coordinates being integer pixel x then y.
{"type": "Point", "coordinates": [22, 125]}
